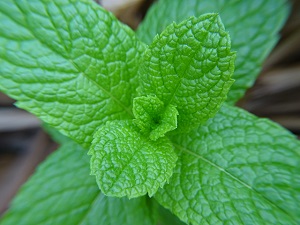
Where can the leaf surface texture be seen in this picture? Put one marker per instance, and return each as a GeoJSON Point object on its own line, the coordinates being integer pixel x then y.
{"type": "Point", "coordinates": [189, 65]}
{"type": "Point", "coordinates": [153, 118]}
{"type": "Point", "coordinates": [127, 163]}
{"type": "Point", "coordinates": [253, 27]}
{"type": "Point", "coordinates": [236, 169]}
{"type": "Point", "coordinates": [69, 62]}
{"type": "Point", "coordinates": [63, 192]}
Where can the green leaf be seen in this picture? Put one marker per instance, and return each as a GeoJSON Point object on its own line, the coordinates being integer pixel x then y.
{"type": "Point", "coordinates": [127, 163]}
{"type": "Point", "coordinates": [63, 192]}
{"type": "Point", "coordinates": [167, 218]}
{"type": "Point", "coordinates": [153, 118]}
{"type": "Point", "coordinates": [236, 169]}
{"type": "Point", "coordinates": [253, 27]}
{"type": "Point", "coordinates": [69, 62]}
{"type": "Point", "coordinates": [189, 65]}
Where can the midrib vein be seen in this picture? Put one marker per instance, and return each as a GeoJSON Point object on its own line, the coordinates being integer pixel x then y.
{"type": "Point", "coordinates": [107, 93]}
{"type": "Point", "coordinates": [213, 164]}
{"type": "Point", "coordinates": [74, 64]}
{"type": "Point", "coordinates": [187, 151]}
{"type": "Point", "coordinates": [180, 77]}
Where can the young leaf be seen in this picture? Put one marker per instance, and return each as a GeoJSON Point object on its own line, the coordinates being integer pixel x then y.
{"type": "Point", "coordinates": [189, 65]}
{"type": "Point", "coordinates": [69, 62]}
{"type": "Point", "coordinates": [237, 169]}
{"type": "Point", "coordinates": [253, 27]}
{"type": "Point", "coordinates": [63, 192]}
{"type": "Point", "coordinates": [153, 118]}
{"type": "Point", "coordinates": [127, 163]}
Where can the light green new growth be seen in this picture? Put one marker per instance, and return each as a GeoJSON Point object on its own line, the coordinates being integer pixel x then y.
{"type": "Point", "coordinates": [153, 118]}
{"type": "Point", "coordinates": [253, 26]}
{"type": "Point", "coordinates": [128, 163]}
{"type": "Point", "coordinates": [189, 65]}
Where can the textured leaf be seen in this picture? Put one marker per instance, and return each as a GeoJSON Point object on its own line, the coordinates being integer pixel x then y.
{"type": "Point", "coordinates": [253, 27]}
{"type": "Point", "coordinates": [189, 65]}
{"type": "Point", "coordinates": [63, 192]}
{"type": "Point", "coordinates": [237, 169]}
{"type": "Point", "coordinates": [69, 62]}
{"type": "Point", "coordinates": [127, 163]}
{"type": "Point", "coordinates": [153, 118]}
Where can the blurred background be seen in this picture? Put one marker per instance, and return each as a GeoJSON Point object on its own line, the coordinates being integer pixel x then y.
{"type": "Point", "coordinates": [275, 95]}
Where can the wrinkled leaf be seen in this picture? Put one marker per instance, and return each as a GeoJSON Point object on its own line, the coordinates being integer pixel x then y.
{"type": "Point", "coordinates": [127, 163]}
{"type": "Point", "coordinates": [253, 27]}
{"type": "Point", "coordinates": [189, 65]}
{"type": "Point", "coordinates": [71, 63]}
{"type": "Point", "coordinates": [153, 118]}
{"type": "Point", "coordinates": [63, 192]}
{"type": "Point", "coordinates": [236, 169]}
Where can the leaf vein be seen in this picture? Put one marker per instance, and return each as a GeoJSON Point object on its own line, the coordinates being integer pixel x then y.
{"type": "Point", "coordinates": [189, 152]}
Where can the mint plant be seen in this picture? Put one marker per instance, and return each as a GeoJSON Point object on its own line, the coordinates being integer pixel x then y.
{"type": "Point", "coordinates": [152, 120]}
